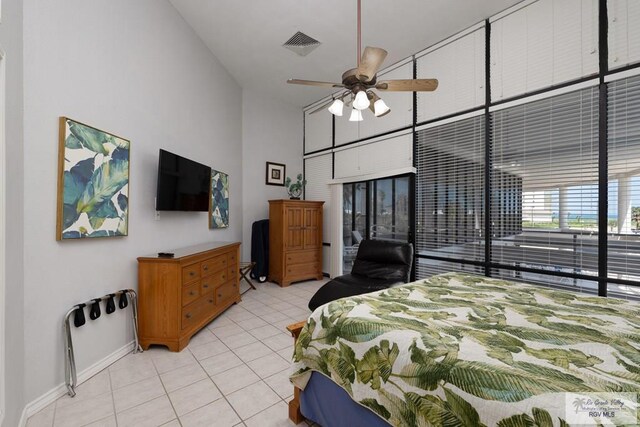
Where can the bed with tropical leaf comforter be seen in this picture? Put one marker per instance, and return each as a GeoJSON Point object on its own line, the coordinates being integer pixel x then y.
{"type": "Point", "coordinates": [460, 350]}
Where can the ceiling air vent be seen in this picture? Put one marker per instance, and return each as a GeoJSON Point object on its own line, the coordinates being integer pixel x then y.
{"type": "Point", "coordinates": [301, 44]}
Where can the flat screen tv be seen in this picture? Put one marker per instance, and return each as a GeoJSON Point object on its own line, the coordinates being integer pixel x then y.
{"type": "Point", "coordinates": [183, 185]}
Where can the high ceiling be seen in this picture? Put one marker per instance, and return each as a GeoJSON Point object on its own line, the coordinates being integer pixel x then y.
{"type": "Point", "coordinates": [247, 36]}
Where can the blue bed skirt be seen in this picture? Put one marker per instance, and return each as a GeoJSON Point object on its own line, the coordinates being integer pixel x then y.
{"type": "Point", "coordinates": [325, 403]}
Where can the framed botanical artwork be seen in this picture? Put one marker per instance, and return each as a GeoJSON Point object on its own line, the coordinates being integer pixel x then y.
{"type": "Point", "coordinates": [219, 200]}
{"type": "Point", "coordinates": [93, 182]}
{"type": "Point", "coordinates": [275, 174]}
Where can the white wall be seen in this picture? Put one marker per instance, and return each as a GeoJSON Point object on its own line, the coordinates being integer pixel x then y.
{"type": "Point", "coordinates": [271, 131]}
{"type": "Point", "coordinates": [136, 69]}
{"type": "Point", "coordinates": [11, 43]}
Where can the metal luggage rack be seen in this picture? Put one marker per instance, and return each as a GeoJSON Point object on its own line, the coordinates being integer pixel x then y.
{"type": "Point", "coordinates": [71, 379]}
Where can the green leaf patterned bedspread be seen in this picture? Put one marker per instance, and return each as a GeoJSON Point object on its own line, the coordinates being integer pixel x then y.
{"type": "Point", "coordinates": [460, 350]}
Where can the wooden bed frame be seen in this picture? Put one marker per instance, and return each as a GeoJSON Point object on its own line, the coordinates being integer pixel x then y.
{"type": "Point", "coordinates": [294, 405]}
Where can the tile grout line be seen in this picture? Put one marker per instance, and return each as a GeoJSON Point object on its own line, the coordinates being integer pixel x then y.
{"type": "Point", "coordinates": [262, 379]}
{"type": "Point", "coordinates": [113, 399]}
{"type": "Point", "coordinates": [165, 390]}
{"type": "Point", "coordinates": [214, 383]}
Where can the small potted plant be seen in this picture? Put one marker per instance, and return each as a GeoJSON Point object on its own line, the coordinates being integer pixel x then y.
{"type": "Point", "coordinates": [295, 188]}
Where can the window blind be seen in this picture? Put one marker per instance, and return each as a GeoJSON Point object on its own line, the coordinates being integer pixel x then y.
{"type": "Point", "coordinates": [449, 190]}
{"type": "Point", "coordinates": [317, 130]}
{"type": "Point", "coordinates": [459, 67]}
{"type": "Point", "coordinates": [544, 184]}
{"type": "Point", "coordinates": [366, 158]}
{"type": "Point", "coordinates": [624, 179]}
{"type": "Point", "coordinates": [317, 172]}
{"type": "Point", "coordinates": [426, 268]}
{"type": "Point", "coordinates": [624, 32]}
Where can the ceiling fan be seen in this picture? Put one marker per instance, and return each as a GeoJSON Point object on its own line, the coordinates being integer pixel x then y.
{"type": "Point", "coordinates": [358, 84]}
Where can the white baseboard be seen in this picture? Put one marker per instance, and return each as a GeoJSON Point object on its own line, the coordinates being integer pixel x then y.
{"type": "Point", "coordinates": [59, 391]}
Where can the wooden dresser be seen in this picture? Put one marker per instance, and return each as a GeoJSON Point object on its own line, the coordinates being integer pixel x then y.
{"type": "Point", "coordinates": [295, 241]}
{"type": "Point", "coordinates": [178, 296]}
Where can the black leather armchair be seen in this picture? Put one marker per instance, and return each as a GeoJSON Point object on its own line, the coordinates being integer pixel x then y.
{"type": "Point", "coordinates": [378, 265]}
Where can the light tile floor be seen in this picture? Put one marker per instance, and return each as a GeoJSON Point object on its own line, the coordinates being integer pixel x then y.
{"type": "Point", "coordinates": [234, 372]}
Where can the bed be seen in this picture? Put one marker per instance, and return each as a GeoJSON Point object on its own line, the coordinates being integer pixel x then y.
{"type": "Point", "coordinates": [470, 351]}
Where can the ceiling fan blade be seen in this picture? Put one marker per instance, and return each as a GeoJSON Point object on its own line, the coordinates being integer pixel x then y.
{"type": "Point", "coordinates": [313, 83]}
{"type": "Point", "coordinates": [372, 59]}
{"type": "Point", "coordinates": [408, 85]}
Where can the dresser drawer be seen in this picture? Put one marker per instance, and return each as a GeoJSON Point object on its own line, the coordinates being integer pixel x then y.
{"type": "Point", "coordinates": [198, 310]}
{"type": "Point", "coordinates": [232, 257]}
{"type": "Point", "coordinates": [190, 293]}
{"type": "Point", "coordinates": [214, 265]}
{"type": "Point", "coordinates": [302, 270]}
{"type": "Point", "coordinates": [226, 292]}
{"type": "Point", "coordinates": [191, 313]}
{"type": "Point", "coordinates": [190, 273]}
{"type": "Point", "coordinates": [233, 273]}
{"type": "Point", "coordinates": [302, 257]}
{"type": "Point", "coordinates": [211, 282]}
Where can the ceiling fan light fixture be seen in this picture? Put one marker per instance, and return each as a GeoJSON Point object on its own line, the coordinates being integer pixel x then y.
{"type": "Point", "coordinates": [356, 115]}
{"type": "Point", "coordinates": [362, 101]}
{"type": "Point", "coordinates": [336, 107]}
{"type": "Point", "coordinates": [380, 108]}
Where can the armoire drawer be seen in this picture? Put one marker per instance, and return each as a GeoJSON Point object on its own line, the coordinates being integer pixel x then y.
{"type": "Point", "coordinates": [302, 257]}
{"type": "Point", "coordinates": [299, 270]}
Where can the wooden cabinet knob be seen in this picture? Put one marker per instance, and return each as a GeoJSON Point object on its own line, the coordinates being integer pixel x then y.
{"type": "Point", "coordinates": [192, 293]}
{"type": "Point", "coordinates": [205, 268]}
{"type": "Point", "coordinates": [224, 277]}
{"type": "Point", "coordinates": [188, 315]}
{"type": "Point", "coordinates": [205, 286]}
{"type": "Point", "coordinates": [219, 295]}
{"type": "Point", "coordinates": [192, 273]}
{"type": "Point", "coordinates": [211, 301]}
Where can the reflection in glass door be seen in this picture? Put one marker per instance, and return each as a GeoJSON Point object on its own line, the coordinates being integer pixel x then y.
{"type": "Point", "coordinates": [378, 209]}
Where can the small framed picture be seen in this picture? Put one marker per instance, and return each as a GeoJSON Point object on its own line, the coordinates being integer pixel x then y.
{"type": "Point", "coordinates": [275, 174]}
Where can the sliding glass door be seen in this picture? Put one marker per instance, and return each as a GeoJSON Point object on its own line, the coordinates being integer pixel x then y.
{"type": "Point", "coordinates": [377, 209]}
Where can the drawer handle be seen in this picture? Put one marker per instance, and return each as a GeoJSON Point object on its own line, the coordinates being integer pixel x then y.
{"type": "Point", "coordinates": [205, 286]}
{"type": "Point", "coordinates": [223, 277]}
{"type": "Point", "coordinates": [192, 293]}
{"type": "Point", "coordinates": [219, 295]}
{"type": "Point", "coordinates": [188, 315]}
{"type": "Point", "coordinates": [192, 273]}
{"type": "Point", "coordinates": [235, 286]}
{"type": "Point", "coordinates": [211, 301]}
{"type": "Point", "coordinates": [205, 268]}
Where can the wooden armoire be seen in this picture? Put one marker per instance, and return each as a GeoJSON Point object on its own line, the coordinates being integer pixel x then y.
{"type": "Point", "coordinates": [295, 241]}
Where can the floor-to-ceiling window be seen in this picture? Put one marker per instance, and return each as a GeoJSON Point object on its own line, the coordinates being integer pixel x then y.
{"type": "Point", "coordinates": [377, 209]}
{"type": "Point", "coordinates": [544, 170]}
{"type": "Point", "coordinates": [450, 197]}
{"type": "Point", "coordinates": [623, 235]}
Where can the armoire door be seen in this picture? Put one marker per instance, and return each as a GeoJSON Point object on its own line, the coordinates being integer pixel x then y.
{"type": "Point", "coordinates": [294, 221]}
{"type": "Point", "coordinates": [312, 228]}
